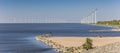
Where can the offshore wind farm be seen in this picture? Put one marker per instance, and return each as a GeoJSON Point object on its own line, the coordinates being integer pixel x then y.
{"type": "Point", "coordinates": [91, 18]}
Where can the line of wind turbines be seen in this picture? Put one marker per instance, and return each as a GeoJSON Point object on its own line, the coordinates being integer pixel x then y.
{"type": "Point", "coordinates": [91, 18]}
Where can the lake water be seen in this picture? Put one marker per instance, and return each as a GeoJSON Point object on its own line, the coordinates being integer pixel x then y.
{"type": "Point", "coordinates": [19, 38]}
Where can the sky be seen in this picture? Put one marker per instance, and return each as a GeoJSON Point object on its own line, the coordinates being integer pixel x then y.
{"type": "Point", "coordinates": [56, 11]}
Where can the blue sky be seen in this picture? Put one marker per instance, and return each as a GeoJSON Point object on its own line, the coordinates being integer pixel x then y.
{"type": "Point", "coordinates": [56, 11]}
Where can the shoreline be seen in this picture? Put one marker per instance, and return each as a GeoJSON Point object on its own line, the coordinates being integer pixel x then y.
{"type": "Point", "coordinates": [62, 43]}
{"type": "Point", "coordinates": [102, 25]}
{"type": "Point", "coordinates": [117, 26]}
{"type": "Point", "coordinates": [113, 28]}
{"type": "Point", "coordinates": [106, 25]}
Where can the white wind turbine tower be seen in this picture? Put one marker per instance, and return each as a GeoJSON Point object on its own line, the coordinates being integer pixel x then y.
{"type": "Point", "coordinates": [95, 14]}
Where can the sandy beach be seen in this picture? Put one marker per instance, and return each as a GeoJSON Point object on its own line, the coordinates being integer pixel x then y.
{"type": "Point", "coordinates": [65, 43]}
{"type": "Point", "coordinates": [78, 41]}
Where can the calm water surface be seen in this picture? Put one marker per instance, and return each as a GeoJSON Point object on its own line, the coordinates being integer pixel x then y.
{"type": "Point", "coordinates": [19, 38]}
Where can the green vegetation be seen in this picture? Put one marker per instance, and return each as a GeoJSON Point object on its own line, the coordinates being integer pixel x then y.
{"type": "Point", "coordinates": [111, 23]}
{"type": "Point", "coordinates": [88, 44]}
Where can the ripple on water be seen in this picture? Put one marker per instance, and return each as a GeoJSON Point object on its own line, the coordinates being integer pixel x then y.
{"type": "Point", "coordinates": [23, 45]}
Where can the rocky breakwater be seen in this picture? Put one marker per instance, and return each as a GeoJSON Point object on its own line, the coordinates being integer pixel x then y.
{"type": "Point", "coordinates": [58, 47]}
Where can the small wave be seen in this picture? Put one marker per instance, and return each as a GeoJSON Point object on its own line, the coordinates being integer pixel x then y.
{"type": "Point", "coordinates": [118, 30]}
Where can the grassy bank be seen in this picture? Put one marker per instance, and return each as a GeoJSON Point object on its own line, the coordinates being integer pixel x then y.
{"type": "Point", "coordinates": [112, 23]}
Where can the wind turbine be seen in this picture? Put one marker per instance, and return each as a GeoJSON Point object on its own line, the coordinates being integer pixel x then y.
{"type": "Point", "coordinates": [95, 14]}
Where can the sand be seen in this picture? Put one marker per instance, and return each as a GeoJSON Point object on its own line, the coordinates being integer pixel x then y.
{"type": "Point", "coordinates": [78, 41]}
